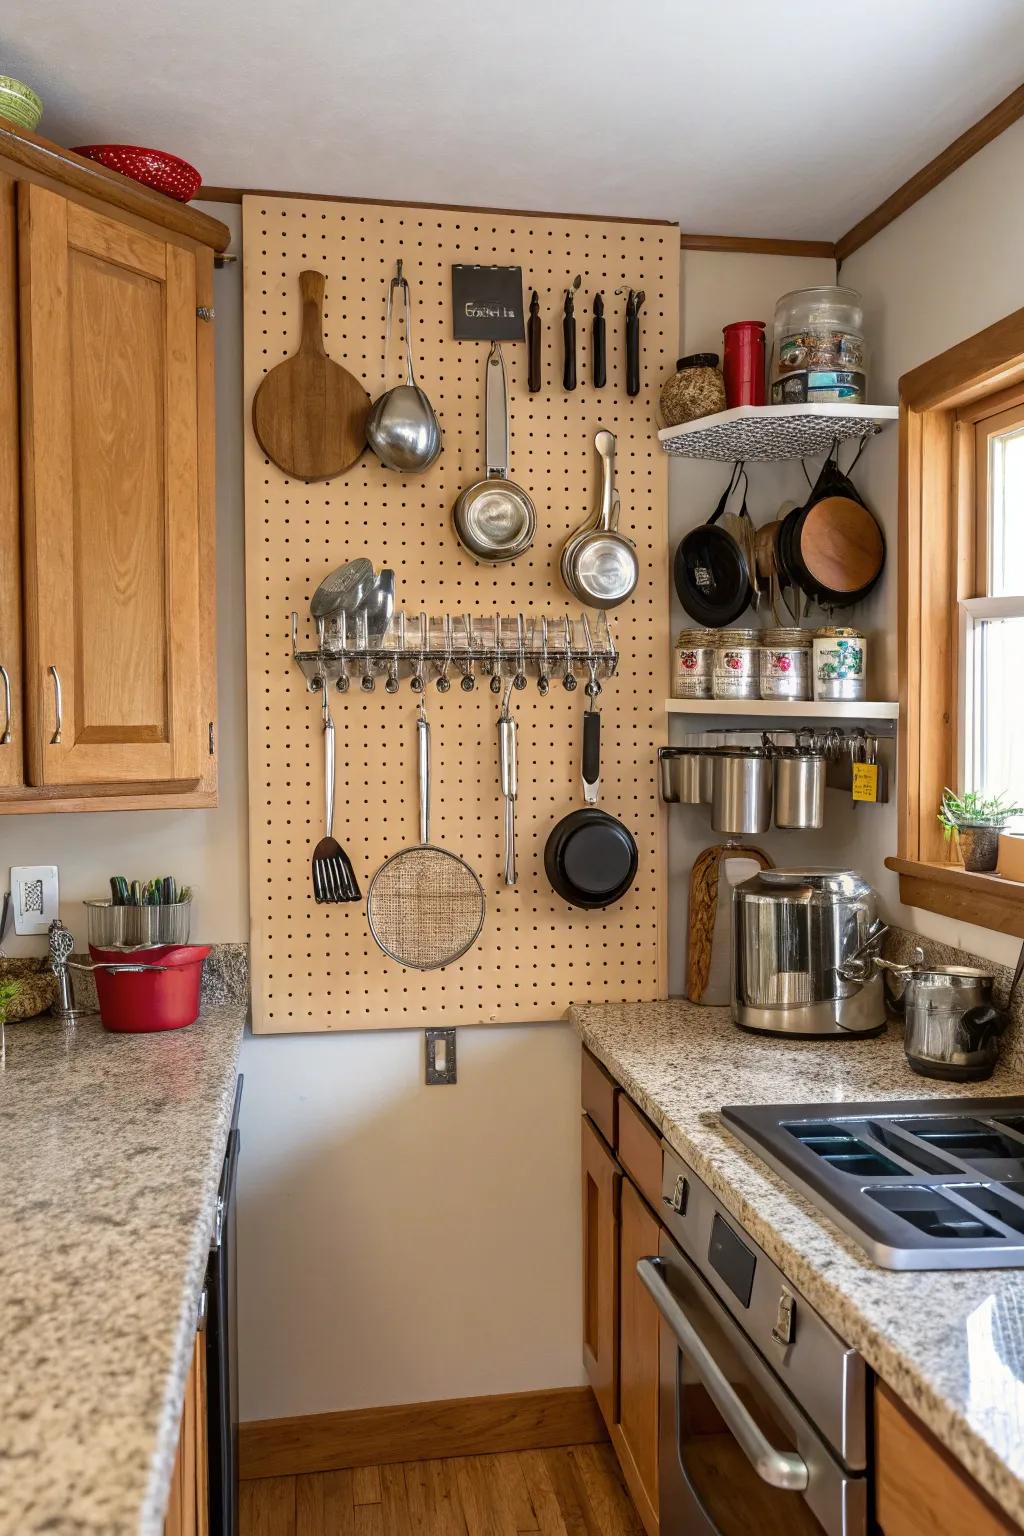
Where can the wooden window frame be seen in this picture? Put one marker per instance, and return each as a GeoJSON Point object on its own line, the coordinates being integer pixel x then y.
{"type": "Point", "coordinates": [940, 403]}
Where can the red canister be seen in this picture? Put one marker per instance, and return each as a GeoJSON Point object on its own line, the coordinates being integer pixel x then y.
{"type": "Point", "coordinates": [144, 1001]}
{"type": "Point", "coordinates": [743, 363]}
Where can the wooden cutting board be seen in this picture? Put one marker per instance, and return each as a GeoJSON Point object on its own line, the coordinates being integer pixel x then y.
{"type": "Point", "coordinates": [309, 414]}
{"type": "Point", "coordinates": [704, 908]}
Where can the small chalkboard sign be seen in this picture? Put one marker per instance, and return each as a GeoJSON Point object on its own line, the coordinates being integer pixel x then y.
{"type": "Point", "coordinates": [487, 303]}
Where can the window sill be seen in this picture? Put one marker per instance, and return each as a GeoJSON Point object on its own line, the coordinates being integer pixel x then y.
{"type": "Point", "coordinates": [988, 901]}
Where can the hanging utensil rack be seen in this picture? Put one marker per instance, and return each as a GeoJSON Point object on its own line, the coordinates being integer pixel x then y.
{"type": "Point", "coordinates": [446, 651]}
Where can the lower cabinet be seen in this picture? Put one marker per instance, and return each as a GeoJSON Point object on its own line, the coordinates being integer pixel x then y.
{"type": "Point", "coordinates": [919, 1489]}
{"type": "Point", "coordinates": [188, 1501]}
{"type": "Point", "coordinates": [620, 1320]}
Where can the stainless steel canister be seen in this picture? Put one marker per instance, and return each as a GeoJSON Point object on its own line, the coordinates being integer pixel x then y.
{"type": "Point", "coordinates": [793, 931]}
{"type": "Point", "coordinates": [785, 669]}
{"type": "Point", "coordinates": [683, 774]}
{"type": "Point", "coordinates": [741, 790]}
{"type": "Point", "coordinates": [736, 674]}
{"type": "Point", "coordinates": [693, 664]}
{"type": "Point", "coordinates": [941, 1037]}
{"type": "Point", "coordinates": [799, 788]}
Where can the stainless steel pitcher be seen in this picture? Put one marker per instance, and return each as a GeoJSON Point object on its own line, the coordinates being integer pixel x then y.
{"type": "Point", "coordinates": [940, 1038]}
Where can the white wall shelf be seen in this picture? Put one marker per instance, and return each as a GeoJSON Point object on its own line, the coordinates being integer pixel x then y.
{"type": "Point", "coordinates": [787, 709]}
{"type": "Point", "coordinates": [767, 433]}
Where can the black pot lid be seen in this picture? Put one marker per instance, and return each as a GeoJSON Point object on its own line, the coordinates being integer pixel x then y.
{"type": "Point", "coordinates": [711, 576]}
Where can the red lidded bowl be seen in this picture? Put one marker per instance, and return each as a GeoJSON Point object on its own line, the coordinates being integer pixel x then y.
{"type": "Point", "coordinates": [153, 167]}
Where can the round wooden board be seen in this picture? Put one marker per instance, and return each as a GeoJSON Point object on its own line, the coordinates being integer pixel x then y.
{"type": "Point", "coordinates": [841, 544]}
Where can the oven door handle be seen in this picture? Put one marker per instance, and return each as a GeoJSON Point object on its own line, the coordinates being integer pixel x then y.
{"type": "Point", "coordinates": [781, 1469]}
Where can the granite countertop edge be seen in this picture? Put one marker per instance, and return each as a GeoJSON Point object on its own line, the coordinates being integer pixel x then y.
{"type": "Point", "coordinates": [837, 1303]}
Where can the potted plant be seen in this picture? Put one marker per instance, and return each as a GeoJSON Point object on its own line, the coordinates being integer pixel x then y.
{"type": "Point", "coordinates": [977, 820]}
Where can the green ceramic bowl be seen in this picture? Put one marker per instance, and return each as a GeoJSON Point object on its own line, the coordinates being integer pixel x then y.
{"type": "Point", "coordinates": [19, 104]}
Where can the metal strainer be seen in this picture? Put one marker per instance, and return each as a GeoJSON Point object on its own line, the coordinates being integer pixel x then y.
{"type": "Point", "coordinates": [425, 905]}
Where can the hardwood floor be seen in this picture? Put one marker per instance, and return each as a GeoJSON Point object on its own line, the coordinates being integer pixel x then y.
{"type": "Point", "coordinates": [574, 1491]}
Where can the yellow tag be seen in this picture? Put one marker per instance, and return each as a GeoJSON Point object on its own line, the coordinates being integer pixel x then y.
{"type": "Point", "coordinates": [865, 781]}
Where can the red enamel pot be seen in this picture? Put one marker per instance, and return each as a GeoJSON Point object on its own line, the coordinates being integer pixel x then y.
{"type": "Point", "coordinates": [138, 1002]}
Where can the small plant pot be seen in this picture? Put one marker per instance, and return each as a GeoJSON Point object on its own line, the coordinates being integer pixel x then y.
{"type": "Point", "coordinates": [979, 846]}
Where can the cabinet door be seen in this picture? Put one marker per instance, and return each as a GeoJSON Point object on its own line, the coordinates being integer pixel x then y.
{"type": "Point", "coordinates": [637, 1437]}
{"type": "Point", "coordinates": [111, 520]}
{"type": "Point", "coordinates": [919, 1489]}
{"type": "Point", "coordinates": [188, 1500]}
{"type": "Point", "coordinates": [601, 1183]}
{"type": "Point", "coordinates": [12, 744]}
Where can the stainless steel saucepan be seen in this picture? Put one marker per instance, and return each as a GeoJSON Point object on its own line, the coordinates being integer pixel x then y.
{"type": "Point", "coordinates": [494, 519]}
{"type": "Point", "coordinates": [599, 564]}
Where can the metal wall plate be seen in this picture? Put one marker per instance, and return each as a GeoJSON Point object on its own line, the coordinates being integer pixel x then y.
{"type": "Point", "coordinates": [441, 1066]}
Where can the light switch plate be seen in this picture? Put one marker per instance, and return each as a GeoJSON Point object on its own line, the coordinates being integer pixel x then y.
{"type": "Point", "coordinates": [34, 897]}
{"type": "Point", "coordinates": [441, 1066]}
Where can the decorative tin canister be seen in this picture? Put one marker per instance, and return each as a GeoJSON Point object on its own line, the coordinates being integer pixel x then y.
{"type": "Point", "coordinates": [736, 664]}
{"type": "Point", "coordinates": [840, 657]}
{"type": "Point", "coordinates": [693, 664]}
{"type": "Point", "coordinates": [786, 664]}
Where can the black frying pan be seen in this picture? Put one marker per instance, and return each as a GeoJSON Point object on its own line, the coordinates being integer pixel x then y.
{"type": "Point", "coordinates": [712, 576]}
{"type": "Point", "coordinates": [590, 858]}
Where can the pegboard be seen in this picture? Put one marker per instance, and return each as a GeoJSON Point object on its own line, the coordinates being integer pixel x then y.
{"type": "Point", "coordinates": [317, 967]}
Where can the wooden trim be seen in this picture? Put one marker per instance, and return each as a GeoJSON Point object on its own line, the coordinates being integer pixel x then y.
{"type": "Point", "coordinates": [104, 797]}
{"type": "Point", "coordinates": [236, 195]}
{"type": "Point", "coordinates": [754, 245]}
{"type": "Point", "coordinates": [929, 176]}
{"type": "Point", "coordinates": [458, 1426]}
{"type": "Point", "coordinates": [987, 901]}
{"type": "Point", "coordinates": [30, 152]}
{"type": "Point", "coordinates": [991, 360]}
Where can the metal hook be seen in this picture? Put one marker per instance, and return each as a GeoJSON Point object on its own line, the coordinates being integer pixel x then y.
{"type": "Point", "coordinates": [569, 680]}
{"type": "Point", "coordinates": [468, 677]}
{"type": "Point", "coordinates": [496, 676]}
{"type": "Point", "coordinates": [443, 683]}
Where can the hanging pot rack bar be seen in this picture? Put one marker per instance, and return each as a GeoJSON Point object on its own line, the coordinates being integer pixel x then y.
{"type": "Point", "coordinates": [458, 650]}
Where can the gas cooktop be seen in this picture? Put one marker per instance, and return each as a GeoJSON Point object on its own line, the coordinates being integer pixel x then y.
{"type": "Point", "coordinates": [919, 1183]}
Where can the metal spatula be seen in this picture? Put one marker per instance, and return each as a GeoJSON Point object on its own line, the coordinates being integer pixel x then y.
{"type": "Point", "coordinates": [334, 879]}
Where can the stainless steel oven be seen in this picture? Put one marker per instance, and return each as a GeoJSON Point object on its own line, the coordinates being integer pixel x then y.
{"type": "Point", "coordinates": [763, 1407]}
{"type": "Point", "coordinates": [222, 1346]}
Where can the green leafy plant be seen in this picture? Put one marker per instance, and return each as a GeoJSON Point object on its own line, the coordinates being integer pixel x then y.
{"type": "Point", "coordinates": [974, 809]}
{"type": "Point", "coordinates": [8, 992]}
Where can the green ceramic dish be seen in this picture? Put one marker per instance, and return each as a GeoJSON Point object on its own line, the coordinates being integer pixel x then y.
{"type": "Point", "coordinates": [19, 103]}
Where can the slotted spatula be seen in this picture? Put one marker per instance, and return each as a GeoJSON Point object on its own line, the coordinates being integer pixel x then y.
{"type": "Point", "coordinates": [334, 879]}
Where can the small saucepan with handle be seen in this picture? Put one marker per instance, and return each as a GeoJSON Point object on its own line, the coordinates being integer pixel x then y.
{"type": "Point", "coordinates": [590, 858]}
{"type": "Point", "coordinates": [494, 518]}
{"type": "Point", "coordinates": [599, 564]}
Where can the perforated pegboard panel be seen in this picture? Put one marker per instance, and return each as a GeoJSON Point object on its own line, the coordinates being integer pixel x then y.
{"type": "Point", "coordinates": [317, 967]}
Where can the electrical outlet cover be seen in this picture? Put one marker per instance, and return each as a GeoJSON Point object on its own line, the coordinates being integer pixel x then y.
{"type": "Point", "coordinates": [34, 897]}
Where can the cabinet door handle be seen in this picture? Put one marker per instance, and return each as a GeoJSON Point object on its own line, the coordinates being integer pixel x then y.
{"type": "Point", "coordinates": [5, 739]}
{"type": "Point", "coordinates": [58, 704]}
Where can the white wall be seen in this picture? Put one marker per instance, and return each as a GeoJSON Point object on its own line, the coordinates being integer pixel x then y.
{"type": "Point", "coordinates": [945, 269]}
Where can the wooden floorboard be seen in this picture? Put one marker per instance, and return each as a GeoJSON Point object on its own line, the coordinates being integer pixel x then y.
{"type": "Point", "coordinates": [571, 1491]}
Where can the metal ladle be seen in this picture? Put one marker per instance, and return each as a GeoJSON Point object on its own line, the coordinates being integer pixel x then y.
{"type": "Point", "coordinates": [402, 429]}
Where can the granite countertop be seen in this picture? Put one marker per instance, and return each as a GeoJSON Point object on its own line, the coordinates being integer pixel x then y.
{"type": "Point", "coordinates": [949, 1343]}
{"type": "Point", "coordinates": [110, 1156]}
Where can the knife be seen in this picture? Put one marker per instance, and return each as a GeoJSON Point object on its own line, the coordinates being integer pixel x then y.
{"type": "Point", "coordinates": [569, 337]}
{"type": "Point", "coordinates": [598, 350]}
{"type": "Point", "coordinates": [533, 344]}
{"type": "Point", "coordinates": [633, 303]}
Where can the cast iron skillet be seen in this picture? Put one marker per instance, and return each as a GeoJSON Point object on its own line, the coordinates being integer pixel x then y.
{"type": "Point", "coordinates": [712, 576]}
{"type": "Point", "coordinates": [590, 858]}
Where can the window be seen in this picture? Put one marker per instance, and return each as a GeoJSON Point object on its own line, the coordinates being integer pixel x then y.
{"type": "Point", "coordinates": [961, 612]}
{"type": "Point", "coordinates": [991, 639]}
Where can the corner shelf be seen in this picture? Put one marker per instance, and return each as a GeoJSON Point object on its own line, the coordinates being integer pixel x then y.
{"type": "Point", "coordinates": [788, 709]}
{"type": "Point", "coordinates": [767, 433]}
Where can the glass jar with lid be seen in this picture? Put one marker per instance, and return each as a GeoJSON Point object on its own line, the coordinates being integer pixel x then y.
{"type": "Point", "coordinates": [697, 388]}
{"type": "Point", "coordinates": [785, 670]}
{"type": "Point", "coordinates": [693, 664]}
{"type": "Point", "coordinates": [736, 673]}
{"type": "Point", "coordinates": [819, 355]}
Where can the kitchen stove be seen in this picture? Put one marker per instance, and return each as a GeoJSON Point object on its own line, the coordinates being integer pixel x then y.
{"type": "Point", "coordinates": [918, 1183]}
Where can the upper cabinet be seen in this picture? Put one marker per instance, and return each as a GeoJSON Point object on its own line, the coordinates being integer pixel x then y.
{"type": "Point", "coordinates": [106, 498]}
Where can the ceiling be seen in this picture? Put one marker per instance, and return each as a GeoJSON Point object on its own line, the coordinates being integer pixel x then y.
{"type": "Point", "coordinates": [728, 116]}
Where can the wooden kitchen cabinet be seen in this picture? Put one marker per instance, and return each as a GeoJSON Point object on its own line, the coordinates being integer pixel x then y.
{"type": "Point", "coordinates": [620, 1320]}
{"type": "Point", "coordinates": [106, 489]}
{"type": "Point", "coordinates": [919, 1489]}
{"type": "Point", "coordinates": [188, 1501]}
{"type": "Point", "coordinates": [601, 1183]}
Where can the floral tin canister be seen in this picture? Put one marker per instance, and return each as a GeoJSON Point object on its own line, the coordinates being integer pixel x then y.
{"type": "Point", "coordinates": [785, 671]}
{"type": "Point", "coordinates": [840, 657]}
{"type": "Point", "coordinates": [693, 664]}
{"type": "Point", "coordinates": [737, 674]}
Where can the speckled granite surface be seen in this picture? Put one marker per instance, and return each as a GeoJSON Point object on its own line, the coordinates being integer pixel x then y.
{"type": "Point", "coordinates": [951, 1345]}
{"type": "Point", "coordinates": [110, 1155]}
